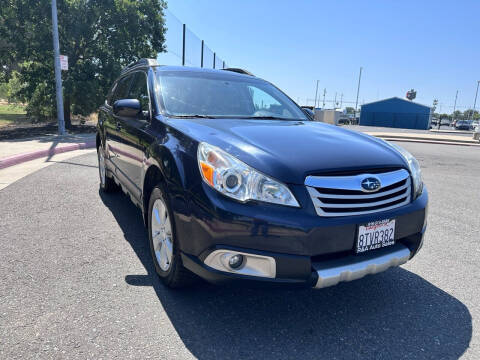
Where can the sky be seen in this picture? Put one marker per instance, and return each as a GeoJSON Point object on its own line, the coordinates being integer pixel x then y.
{"type": "Point", "coordinates": [430, 46]}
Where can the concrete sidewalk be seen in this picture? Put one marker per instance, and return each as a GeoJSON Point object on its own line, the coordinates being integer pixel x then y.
{"type": "Point", "coordinates": [14, 152]}
{"type": "Point", "coordinates": [19, 158]}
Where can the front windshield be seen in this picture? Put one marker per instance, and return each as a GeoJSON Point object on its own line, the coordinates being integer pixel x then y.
{"type": "Point", "coordinates": [209, 94]}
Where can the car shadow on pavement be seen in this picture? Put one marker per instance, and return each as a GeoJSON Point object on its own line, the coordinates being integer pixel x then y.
{"type": "Point", "coordinates": [392, 315]}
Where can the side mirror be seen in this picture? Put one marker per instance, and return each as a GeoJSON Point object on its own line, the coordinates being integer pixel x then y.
{"type": "Point", "coordinates": [127, 108]}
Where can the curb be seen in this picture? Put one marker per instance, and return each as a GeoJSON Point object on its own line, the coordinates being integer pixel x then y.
{"type": "Point", "coordinates": [21, 158]}
{"type": "Point", "coordinates": [425, 141]}
{"type": "Point", "coordinates": [466, 141]}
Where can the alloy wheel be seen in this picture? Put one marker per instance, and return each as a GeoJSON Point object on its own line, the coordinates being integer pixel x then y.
{"type": "Point", "coordinates": [162, 235]}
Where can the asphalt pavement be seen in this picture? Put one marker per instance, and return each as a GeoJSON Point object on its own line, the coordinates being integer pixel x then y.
{"type": "Point", "coordinates": [78, 282]}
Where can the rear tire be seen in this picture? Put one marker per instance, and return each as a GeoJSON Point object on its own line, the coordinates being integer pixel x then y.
{"type": "Point", "coordinates": [163, 242]}
{"type": "Point", "coordinates": [107, 184]}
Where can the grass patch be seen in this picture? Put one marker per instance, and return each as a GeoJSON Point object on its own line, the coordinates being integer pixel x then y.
{"type": "Point", "coordinates": [12, 114]}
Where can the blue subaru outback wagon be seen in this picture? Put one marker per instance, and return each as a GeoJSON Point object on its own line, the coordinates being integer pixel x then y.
{"type": "Point", "coordinates": [236, 182]}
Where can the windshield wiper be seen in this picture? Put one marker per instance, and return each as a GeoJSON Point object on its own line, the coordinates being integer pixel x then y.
{"type": "Point", "coordinates": [267, 118]}
{"type": "Point", "coordinates": [193, 116]}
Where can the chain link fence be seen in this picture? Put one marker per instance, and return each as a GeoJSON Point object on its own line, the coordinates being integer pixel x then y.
{"type": "Point", "coordinates": [184, 47]}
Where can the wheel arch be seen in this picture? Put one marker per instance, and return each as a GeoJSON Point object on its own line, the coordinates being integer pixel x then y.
{"type": "Point", "coordinates": [153, 176]}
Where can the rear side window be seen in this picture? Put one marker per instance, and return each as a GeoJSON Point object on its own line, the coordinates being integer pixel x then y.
{"type": "Point", "coordinates": [121, 90]}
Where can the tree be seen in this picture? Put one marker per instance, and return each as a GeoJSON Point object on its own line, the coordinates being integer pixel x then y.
{"type": "Point", "coordinates": [457, 115]}
{"type": "Point", "coordinates": [100, 37]}
{"type": "Point", "coordinates": [471, 114]}
{"type": "Point", "coordinates": [349, 110]}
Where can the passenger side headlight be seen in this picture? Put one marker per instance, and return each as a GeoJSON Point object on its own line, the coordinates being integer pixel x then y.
{"type": "Point", "coordinates": [237, 180]}
{"type": "Point", "coordinates": [414, 167]}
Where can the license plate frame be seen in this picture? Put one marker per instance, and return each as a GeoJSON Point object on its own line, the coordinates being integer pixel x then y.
{"type": "Point", "coordinates": [375, 235]}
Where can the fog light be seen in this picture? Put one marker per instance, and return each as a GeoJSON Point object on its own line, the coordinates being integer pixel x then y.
{"type": "Point", "coordinates": [235, 261]}
{"type": "Point", "coordinates": [242, 263]}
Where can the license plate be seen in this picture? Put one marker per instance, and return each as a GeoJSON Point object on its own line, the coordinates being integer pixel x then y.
{"type": "Point", "coordinates": [375, 235]}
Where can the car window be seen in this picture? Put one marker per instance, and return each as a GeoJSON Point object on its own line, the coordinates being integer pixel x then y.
{"type": "Point", "coordinates": [139, 91]}
{"type": "Point", "coordinates": [121, 90]}
{"type": "Point", "coordinates": [223, 95]}
{"type": "Point", "coordinates": [266, 103]}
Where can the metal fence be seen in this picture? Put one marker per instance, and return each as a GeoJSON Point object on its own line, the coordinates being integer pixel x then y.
{"type": "Point", "coordinates": [184, 47]}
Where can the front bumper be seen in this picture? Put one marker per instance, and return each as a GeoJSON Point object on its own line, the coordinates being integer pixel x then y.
{"type": "Point", "coordinates": [308, 250]}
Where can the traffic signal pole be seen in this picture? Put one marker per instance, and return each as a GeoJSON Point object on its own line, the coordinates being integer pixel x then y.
{"type": "Point", "coordinates": [58, 74]}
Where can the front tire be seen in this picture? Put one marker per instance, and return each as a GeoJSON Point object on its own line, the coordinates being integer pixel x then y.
{"type": "Point", "coordinates": [163, 243]}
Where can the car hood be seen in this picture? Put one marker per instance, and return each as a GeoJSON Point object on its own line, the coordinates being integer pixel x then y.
{"type": "Point", "coordinates": [291, 150]}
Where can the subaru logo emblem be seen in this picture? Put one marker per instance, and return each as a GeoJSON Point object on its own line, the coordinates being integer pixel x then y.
{"type": "Point", "coordinates": [370, 184]}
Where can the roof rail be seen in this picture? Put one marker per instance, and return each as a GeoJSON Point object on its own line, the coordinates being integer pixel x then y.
{"type": "Point", "coordinates": [240, 71]}
{"type": "Point", "coordinates": [141, 62]}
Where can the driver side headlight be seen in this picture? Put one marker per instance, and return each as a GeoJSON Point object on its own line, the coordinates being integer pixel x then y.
{"type": "Point", "coordinates": [415, 170]}
{"type": "Point", "coordinates": [237, 180]}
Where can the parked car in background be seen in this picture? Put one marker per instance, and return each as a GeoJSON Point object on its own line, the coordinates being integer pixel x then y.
{"type": "Point", "coordinates": [445, 122]}
{"type": "Point", "coordinates": [464, 125]}
{"type": "Point", "coordinates": [235, 182]}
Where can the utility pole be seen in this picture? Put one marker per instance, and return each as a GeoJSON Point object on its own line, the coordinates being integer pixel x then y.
{"type": "Point", "coordinates": [439, 116]}
{"type": "Point", "coordinates": [316, 92]}
{"type": "Point", "coordinates": [324, 92]}
{"type": "Point", "coordinates": [335, 102]}
{"type": "Point", "coordinates": [341, 100]}
{"type": "Point", "coordinates": [183, 44]}
{"type": "Point", "coordinates": [358, 91]}
{"type": "Point", "coordinates": [58, 72]}
{"type": "Point", "coordinates": [477, 129]}
{"type": "Point", "coordinates": [455, 106]}
{"type": "Point", "coordinates": [475, 102]}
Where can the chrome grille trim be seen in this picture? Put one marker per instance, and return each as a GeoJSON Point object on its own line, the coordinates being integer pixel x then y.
{"type": "Point", "coordinates": [315, 185]}
{"type": "Point", "coordinates": [367, 195]}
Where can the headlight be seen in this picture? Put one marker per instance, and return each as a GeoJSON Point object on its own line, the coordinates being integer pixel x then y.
{"type": "Point", "coordinates": [414, 169]}
{"type": "Point", "coordinates": [239, 181]}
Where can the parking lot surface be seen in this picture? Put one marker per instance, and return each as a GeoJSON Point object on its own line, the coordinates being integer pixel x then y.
{"type": "Point", "coordinates": [78, 282]}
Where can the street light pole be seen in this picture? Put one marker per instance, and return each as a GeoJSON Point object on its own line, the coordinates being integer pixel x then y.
{"type": "Point", "coordinates": [477, 129]}
{"type": "Point", "coordinates": [476, 94]}
{"type": "Point", "coordinates": [58, 73]}
{"type": "Point", "coordinates": [358, 91]}
{"type": "Point", "coordinates": [455, 106]}
{"type": "Point", "coordinates": [316, 92]}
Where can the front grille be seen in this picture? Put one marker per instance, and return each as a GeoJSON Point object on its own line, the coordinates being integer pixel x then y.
{"type": "Point", "coordinates": [344, 195]}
